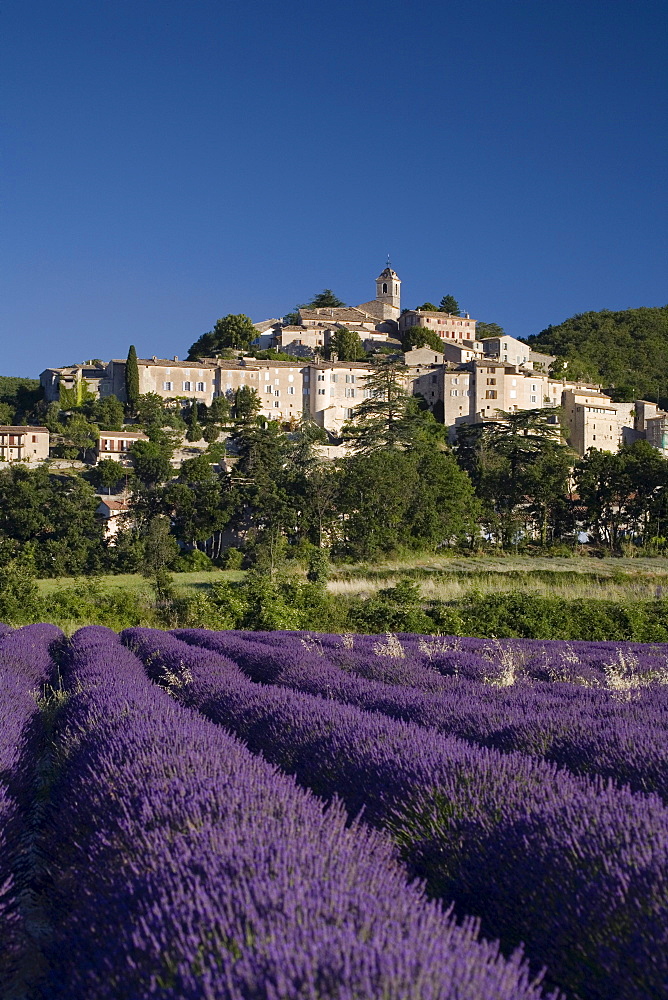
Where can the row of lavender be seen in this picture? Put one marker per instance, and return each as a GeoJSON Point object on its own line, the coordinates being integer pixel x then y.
{"type": "Point", "coordinates": [615, 730]}
{"type": "Point", "coordinates": [572, 866]}
{"type": "Point", "coordinates": [25, 666]}
{"type": "Point", "coordinates": [179, 864]}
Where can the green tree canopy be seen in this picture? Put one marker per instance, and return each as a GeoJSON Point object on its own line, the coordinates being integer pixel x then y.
{"type": "Point", "coordinates": [326, 299]}
{"type": "Point", "coordinates": [151, 461]}
{"type": "Point", "coordinates": [247, 405]}
{"type": "Point", "coordinates": [107, 413]}
{"type": "Point", "coordinates": [427, 307]}
{"type": "Point", "coordinates": [347, 345]}
{"type": "Point", "coordinates": [421, 336]}
{"type": "Point", "coordinates": [627, 351]}
{"type": "Point", "coordinates": [194, 429]}
{"type": "Point", "coordinates": [235, 331]}
{"type": "Point", "coordinates": [449, 304]}
{"type": "Point", "coordinates": [385, 418]}
{"type": "Point", "coordinates": [6, 413]}
{"type": "Point", "coordinates": [519, 467]}
{"type": "Point", "coordinates": [108, 473]}
{"type": "Point", "coordinates": [483, 330]}
{"type": "Point", "coordinates": [53, 518]}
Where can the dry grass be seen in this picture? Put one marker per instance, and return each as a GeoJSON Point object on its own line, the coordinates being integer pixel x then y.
{"type": "Point", "coordinates": [451, 579]}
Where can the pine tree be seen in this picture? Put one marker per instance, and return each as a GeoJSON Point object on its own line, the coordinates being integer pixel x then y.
{"type": "Point", "coordinates": [132, 381]}
{"type": "Point", "coordinates": [449, 304]}
{"type": "Point", "coordinates": [385, 418]}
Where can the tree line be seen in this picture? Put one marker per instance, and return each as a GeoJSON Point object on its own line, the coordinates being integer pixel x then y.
{"type": "Point", "coordinates": [259, 494]}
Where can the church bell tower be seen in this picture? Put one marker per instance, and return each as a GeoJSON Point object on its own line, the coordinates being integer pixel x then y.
{"type": "Point", "coordinates": [388, 292]}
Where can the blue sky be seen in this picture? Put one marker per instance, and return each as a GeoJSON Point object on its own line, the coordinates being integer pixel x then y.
{"type": "Point", "coordinates": [166, 163]}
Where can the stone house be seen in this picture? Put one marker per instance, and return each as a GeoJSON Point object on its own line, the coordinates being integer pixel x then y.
{"type": "Point", "coordinates": [92, 373]}
{"type": "Point", "coordinates": [446, 326]}
{"type": "Point", "coordinates": [117, 444]}
{"type": "Point", "coordinates": [23, 444]}
{"type": "Point", "coordinates": [112, 511]}
{"type": "Point", "coordinates": [593, 420]}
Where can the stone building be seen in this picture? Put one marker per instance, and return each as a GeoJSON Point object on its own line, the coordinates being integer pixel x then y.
{"type": "Point", "coordinates": [446, 326]}
{"type": "Point", "coordinates": [91, 372]}
{"type": "Point", "coordinates": [24, 444]}
{"type": "Point", "coordinates": [593, 420]}
{"type": "Point", "coordinates": [507, 348]}
{"type": "Point", "coordinates": [117, 444]}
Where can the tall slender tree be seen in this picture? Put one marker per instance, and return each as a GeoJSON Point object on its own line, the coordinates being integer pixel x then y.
{"type": "Point", "coordinates": [132, 381]}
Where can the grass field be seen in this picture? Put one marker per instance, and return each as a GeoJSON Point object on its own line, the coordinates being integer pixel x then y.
{"type": "Point", "coordinates": [450, 578]}
{"type": "Point", "coordinates": [184, 582]}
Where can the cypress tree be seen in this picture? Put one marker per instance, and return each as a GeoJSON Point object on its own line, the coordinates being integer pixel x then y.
{"type": "Point", "coordinates": [132, 380]}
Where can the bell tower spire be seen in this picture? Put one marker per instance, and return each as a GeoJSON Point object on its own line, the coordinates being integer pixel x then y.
{"type": "Point", "coordinates": [388, 291]}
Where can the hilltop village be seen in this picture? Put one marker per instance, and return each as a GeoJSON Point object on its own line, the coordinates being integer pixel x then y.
{"type": "Point", "coordinates": [462, 378]}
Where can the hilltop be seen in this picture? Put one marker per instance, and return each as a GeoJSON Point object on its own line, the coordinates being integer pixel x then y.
{"type": "Point", "coordinates": [626, 350]}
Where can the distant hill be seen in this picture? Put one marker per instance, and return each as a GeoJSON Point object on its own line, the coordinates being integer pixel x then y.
{"type": "Point", "coordinates": [627, 351]}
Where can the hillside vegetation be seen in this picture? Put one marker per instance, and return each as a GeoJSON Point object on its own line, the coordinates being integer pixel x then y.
{"type": "Point", "coordinates": [626, 350]}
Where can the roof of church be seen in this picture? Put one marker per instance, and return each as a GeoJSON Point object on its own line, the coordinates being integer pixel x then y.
{"type": "Point", "coordinates": [388, 273]}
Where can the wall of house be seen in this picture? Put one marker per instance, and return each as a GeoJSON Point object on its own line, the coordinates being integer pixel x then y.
{"type": "Point", "coordinates": [29, 444]}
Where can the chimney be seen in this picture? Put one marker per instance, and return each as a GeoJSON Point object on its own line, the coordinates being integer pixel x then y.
{"type": "Point", "coordinates": [176, 357]}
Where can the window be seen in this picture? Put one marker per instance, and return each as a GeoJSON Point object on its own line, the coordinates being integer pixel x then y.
{"type": "Point", "coordinates": [187, 386]}
{"type": "Point", "coordinates": [349, 412]}
{"type": "Point", "coordinates": [276, 403]}
{"type": "Point", "coordinates": [513, 393]}
{"type": "Point", "coordinates": [454, 392]}
{"type": "Point", "coordinates": [384, 288]}
{"type": "Point", "coordinates": [291, 378]}
{"type": "Point", "coordinates": [350, 393]}
{"type": "Point", "coordinates": [455, 381]}
{"type": "Point", "coordinates": [533, 399]}
{"type": "Point", "coordinates": [332, 378]}
{"type": "Point", "coordinates": [490, 394]}
{"type": "Point", "coordinates": [350, 378]}
{"type": "Point", "coordinates": [34, 438]}
{"type": "Point", "coordinates": [277, 392]}
{"type": "Point", "coordinates": [167, 386]}
{"type": "Point", "coordinates": [368, 393]}
{"type": "Point", "coordinates": [433, 379]}
{"type": "Point", "coordinates": [321, 378]}
{"type": "Point", "coordinates": [321, 392]}
{"type": "Point", "coordinates": [268, 388]}
{"type": "Point", "coordinates": [306, 391]}
{"type": "Point", "coordinates": [201, 387]}
{"type": "Point", "coordinates": [491, 381]}
{"type": "Point", "coordinates": [291, 390]}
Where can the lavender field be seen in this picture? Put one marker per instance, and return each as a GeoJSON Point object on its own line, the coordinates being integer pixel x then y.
{"type": "Point", "coordinates": [284, 815]}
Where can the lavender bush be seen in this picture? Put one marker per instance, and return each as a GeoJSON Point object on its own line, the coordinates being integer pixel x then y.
{"type": "Point", "coordinates": [181, 865]}
{"type": "Point", "coordinates": [25, 664]}
{"type": "Point", "coordinates": [618, 731]}
{"type": "Point", "coordinates": [573, 866]}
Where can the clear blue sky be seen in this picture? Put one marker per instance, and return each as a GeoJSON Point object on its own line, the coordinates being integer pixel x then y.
{"type": "Point", "coordinates": [166, 163]}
